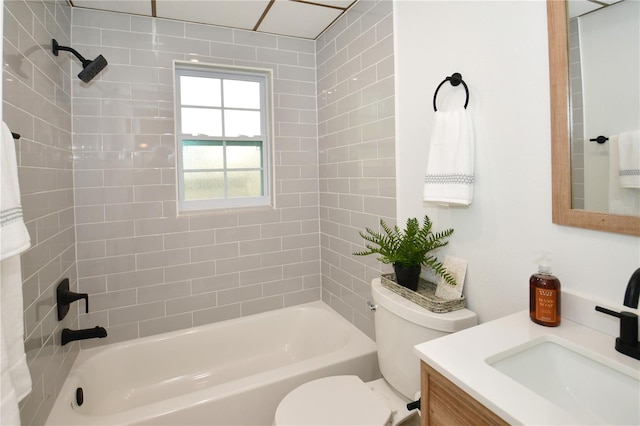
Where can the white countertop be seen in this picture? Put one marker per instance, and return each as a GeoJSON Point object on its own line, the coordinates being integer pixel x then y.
{"type": "Point", "coordinates": [461, 356]}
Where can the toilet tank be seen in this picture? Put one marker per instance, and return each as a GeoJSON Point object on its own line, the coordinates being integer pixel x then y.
{"type": "Point", "coordinates": [399, 326]}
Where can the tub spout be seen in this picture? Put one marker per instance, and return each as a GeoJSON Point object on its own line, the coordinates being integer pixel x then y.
{"type": "Point", "coordinates": [87, 333]}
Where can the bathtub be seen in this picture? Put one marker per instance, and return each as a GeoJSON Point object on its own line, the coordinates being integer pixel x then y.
{"type": "Point", "coordinates": [228, 373]}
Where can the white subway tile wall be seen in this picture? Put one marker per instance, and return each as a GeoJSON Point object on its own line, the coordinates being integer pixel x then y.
{"type": "Point", "coordinates": [356, 146]}
{"type": "Point", "coordinates": [37, 105]}
{"type": "Point", "coordinates": [148, 269]}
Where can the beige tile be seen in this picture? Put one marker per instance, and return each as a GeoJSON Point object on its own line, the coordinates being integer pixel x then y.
{"type": "Point", "coordinates": [132, 245]}
{"type": "Point", "coordinates": [190, 271]}
{"type": "Point", "coordinates": [214, 283]}
{"type": "Point", "coordinates": [264, 304]}
{"type": "Point", "coordinates": [191, 303]}
{"type": "Point", "coordinates": [135, 279]}
{"type": "Point", "coordinates": [160, 226]}
{"type": "Point", "coordinates": [238, 264]}
{"type": "Point", "coordinates": [165, 324]}
{"type": "Point", "coordinates": [121, 316]}
{"type": "Point", "coordinates": [163, 291]}
{"type": "Point", "coordinates": [300, 297]}
{"type": "Point", "coordinates": [214, 252]}
{"type": "Point", "coordinates": [212, 315]}
{"type": "Point", "coordinates": [162, 258]}
{"type": "Point", "coordinates": [239, 233]}
{"type": "Point", "coordinates": [241, 294]}
{"type": "Point", "coordinates": [265, 245]}
{"type": "Point", "coordinates": [189, 239]}
{"type": "Point", "coordinates": [261, 275]}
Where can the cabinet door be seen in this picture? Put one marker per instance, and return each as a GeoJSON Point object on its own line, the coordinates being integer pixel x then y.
{"type": "Point", "coordinates": [443, 403]}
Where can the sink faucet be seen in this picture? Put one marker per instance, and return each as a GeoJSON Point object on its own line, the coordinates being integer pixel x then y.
{"type": "Point", "coordinates": [628, 343]}
{"type": "Point", "coordinates": [632, 294]}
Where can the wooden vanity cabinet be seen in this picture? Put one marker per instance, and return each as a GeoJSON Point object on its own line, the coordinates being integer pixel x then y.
{"type": "Point", "coordinates": [444, 403]}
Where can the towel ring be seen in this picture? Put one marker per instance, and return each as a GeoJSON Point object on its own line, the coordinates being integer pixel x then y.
{"type": "Point", "coordinates": [455, 80]}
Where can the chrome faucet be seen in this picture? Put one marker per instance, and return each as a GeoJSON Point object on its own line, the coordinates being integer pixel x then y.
{"type": "Point", "coordinates": [628, 343]}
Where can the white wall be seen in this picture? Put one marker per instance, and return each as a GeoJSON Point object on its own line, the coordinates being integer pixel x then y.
{"type": "Point", "coordinates": [500, 48]}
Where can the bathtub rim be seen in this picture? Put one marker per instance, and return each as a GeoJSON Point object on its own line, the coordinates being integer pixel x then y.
{"type": "Point", "coordinates": [358, 346]}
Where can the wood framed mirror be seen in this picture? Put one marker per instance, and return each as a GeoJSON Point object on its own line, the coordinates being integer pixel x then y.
{"type": "Point", "coordinates": [563, 213]}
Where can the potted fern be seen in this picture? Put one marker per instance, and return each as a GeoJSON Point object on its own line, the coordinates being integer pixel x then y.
{"type": "Point", "coordinates": [408, 250]}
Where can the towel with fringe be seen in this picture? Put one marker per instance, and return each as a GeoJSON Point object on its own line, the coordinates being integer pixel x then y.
{"type": "Point", "coordinates": [629, 159]}
{"type": "Point", "coordinates": [622, 201]}
{"type": "Point", "coordinates": [450, 165]}
{"type": "Point", "coordinates": [16, 380]}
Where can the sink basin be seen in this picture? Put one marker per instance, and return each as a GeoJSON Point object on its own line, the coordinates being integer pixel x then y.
{"type": "Point", "coordinates": [587, 386]}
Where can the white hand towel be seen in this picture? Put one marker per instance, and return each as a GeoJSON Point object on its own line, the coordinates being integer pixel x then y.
{"type": "Point", "coordinates": [629, 159]}
{"type": "Point", "coordinates": [623, 201]}
{"type": "Point", "coordinates": [14, 240]}
{"type": "Point", "coordinates": [450, 165]}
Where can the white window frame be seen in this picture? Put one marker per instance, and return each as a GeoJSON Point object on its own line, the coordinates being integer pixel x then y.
{"type": "Point", "coordinates": [264, 77]}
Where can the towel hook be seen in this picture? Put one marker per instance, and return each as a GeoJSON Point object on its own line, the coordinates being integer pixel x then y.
{"type": "Point", "coordinates": [455, 80]}
{"type": "Point", "coordinates": [599, 139]}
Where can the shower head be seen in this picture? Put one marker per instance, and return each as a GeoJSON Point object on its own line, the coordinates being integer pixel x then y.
{"type": "Point", "coordinates": [89, 68]}
{"type": "Point", "coordinates": [92, 68]}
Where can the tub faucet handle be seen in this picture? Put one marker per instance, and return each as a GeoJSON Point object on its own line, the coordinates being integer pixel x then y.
{"type": "Point", "coordinates": [64, 297]}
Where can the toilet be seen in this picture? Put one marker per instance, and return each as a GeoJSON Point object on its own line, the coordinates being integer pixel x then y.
{"type": "Point", "coordinates": [346, 400]}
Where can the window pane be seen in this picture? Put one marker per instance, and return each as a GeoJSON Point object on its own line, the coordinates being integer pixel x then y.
{"type": "Point", "coordinates": [203, 185]}
{"type": "Point", "coordinates": [200, 91]}
{"type": "Point", "coordinates": [241, 123]}
{"type": "Point", "coordinates": [244, 184]}
{"type": "Point", "coordinates": [201, 121]}
{"type": "Point", "coordinates": [202, 155]}
{"type": "Point", "coordinates": [241, 94]}
{"type": "Point", "coordinates": [244, 155]}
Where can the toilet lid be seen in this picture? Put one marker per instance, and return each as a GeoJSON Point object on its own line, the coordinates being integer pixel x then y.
{"type": "Point", "coordinates": [336, 400]}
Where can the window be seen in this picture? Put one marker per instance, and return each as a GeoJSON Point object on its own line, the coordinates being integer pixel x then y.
{"type": "Point", "coordinates": [222, 132]}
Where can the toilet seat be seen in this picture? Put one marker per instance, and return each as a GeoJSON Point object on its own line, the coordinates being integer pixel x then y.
{"type": "Point", "coordinates": [335, 400]}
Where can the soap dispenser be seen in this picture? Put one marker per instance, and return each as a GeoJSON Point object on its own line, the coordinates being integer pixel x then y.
{"type": "Point", "coordinates": [544, 295]}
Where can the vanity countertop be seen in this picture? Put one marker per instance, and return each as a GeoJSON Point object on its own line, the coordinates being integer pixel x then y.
{"type": "Point", "coordinates": [461, 358]}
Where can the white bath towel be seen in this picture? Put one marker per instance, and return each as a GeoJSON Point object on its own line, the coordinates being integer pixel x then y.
{"type": "Point", "coordinates": [9, 413]}
{"type": "Point", "coordinates": [450, 165]}
{"type": "Point", "coordinates": [14, 238]}
{"type": "Point", "coordinates": [623, 201]}
{"type": "Point", "coordinates": [629, 159]}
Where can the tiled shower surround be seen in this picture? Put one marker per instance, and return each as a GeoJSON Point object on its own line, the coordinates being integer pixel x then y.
{"type": "Point", "coordinates": [37, 105]}
{"type": "Point", "coordinates": [147, 268]}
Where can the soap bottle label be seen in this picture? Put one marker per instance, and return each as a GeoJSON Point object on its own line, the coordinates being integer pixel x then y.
{"type": "Point", "coordinates": [546, 305]}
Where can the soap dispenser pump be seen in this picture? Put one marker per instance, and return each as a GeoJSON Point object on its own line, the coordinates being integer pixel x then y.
{"type": "Point", "coordinates": [544, 295]}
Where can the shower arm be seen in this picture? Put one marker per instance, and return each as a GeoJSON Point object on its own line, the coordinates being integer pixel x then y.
{"type": "Point", "coordinates": [56, 48]}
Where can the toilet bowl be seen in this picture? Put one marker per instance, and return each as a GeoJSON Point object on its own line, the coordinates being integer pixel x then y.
{"type": "Point", "coordinates": [346, 400]}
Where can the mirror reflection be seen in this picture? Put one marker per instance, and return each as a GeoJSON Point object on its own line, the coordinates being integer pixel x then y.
{"type": "Point", "coordinates": [604, 70]}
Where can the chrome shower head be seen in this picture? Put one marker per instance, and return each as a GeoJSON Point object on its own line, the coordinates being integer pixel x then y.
{"type": "Point", "coordinates": [89, 68]}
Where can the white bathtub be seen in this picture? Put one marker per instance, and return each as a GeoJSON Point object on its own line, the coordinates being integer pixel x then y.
{"type": "Point", "coordinates": [229, 373]}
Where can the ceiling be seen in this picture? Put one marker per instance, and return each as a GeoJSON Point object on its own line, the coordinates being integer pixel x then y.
{"type": "Point", "coordinates": [580, 7]}
{"type": "Point", "coordinates": [296, 18]}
